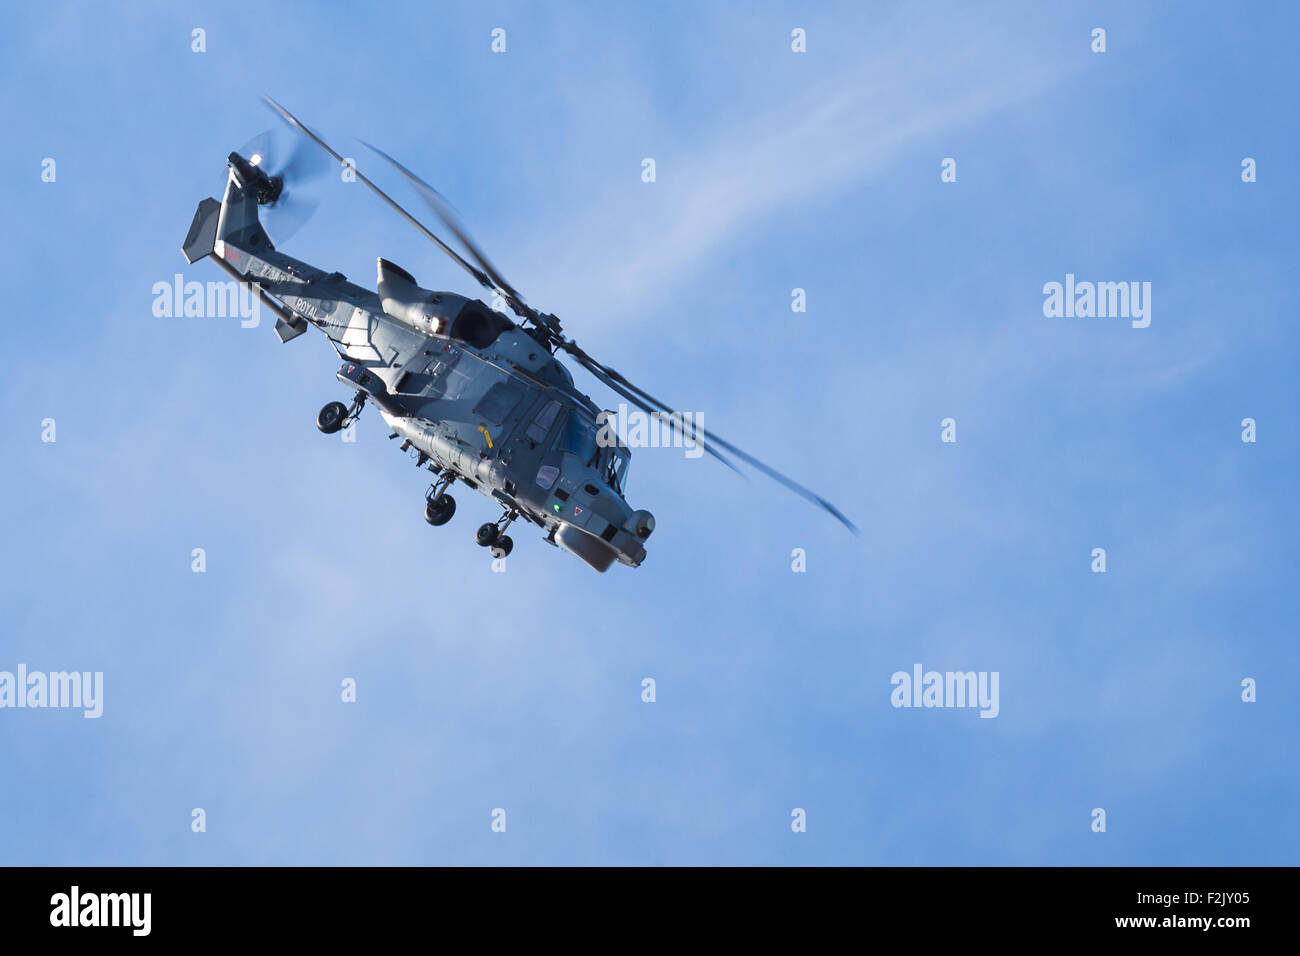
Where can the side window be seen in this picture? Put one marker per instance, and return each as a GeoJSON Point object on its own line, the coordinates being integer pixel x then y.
{"type": "Point", "coordinates": [543, 422]}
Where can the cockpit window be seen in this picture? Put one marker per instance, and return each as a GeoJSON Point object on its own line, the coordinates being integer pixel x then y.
{"type": "Point", "coordinates": [541, 425]}
{"type": "Point", "coordinates": [579, 438]}
{"type": "Point", "coordinates": [616, 463]}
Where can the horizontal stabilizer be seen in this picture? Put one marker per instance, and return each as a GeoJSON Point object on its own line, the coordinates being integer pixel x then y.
{"type": "Point", "coordinates": [202, 237]}
{"type": "Point", "coordinates": [291, 329]}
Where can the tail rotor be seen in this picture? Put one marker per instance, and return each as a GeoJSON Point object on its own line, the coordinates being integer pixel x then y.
{"type": "Point", "coordinates": [282, 173]}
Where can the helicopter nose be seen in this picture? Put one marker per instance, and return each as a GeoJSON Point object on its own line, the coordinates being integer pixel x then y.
{"type": "Point", "coordinates": [642, 524]}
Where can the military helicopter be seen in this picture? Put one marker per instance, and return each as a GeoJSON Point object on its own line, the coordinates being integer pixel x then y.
{"type": "Point", "coordinates": [475, 396]}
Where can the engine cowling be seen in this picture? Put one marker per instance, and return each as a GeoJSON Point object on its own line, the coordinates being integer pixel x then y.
{"type": "Point", "coordinates": [409, 304]}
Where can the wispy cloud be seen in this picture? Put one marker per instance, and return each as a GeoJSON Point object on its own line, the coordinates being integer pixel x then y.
{"type": "Point", "coordinates": [812, 142]}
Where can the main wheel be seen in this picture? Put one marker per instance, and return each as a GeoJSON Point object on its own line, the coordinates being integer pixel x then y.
{"type": "Point", "coordinates": [486, 535]}
{"type": "Point", "coordinates": [502, 546]}
{"type": "Point", "coordinates": [439, 510]}
{"type": "Point", "coordinates": [330, 418]}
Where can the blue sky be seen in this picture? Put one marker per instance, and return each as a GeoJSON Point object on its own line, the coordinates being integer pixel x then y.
{"type": "Point", "coordinates": [522, 690]}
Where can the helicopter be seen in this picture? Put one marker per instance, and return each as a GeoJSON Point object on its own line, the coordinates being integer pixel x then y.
{"type": "Point", "coordinates": [476, 397]}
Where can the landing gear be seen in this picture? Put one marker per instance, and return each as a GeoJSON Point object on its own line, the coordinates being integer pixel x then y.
{"type": "Point", "coordinates": [332, 417]}
{"type": "Point", "coordinates": [438, 505]}
{"type": "Point", "coordinates": [438, 511]}
{"type": "Point", "coordinates": [493, 535]}
{"type": "Point", "coordinates": [336, 416]}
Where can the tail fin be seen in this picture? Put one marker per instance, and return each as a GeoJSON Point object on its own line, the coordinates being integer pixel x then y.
{"type": "Point", "coordinates": [201, 241]}
{"type": "Point", "coordinates": [247, 188]}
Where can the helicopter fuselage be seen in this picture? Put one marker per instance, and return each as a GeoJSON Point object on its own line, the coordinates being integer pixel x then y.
{"type": "Point", "coordinates": [475, 397]}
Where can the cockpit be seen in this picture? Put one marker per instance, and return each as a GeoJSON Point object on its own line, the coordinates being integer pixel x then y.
{"type": "Point", "coordinates": [578, 438]}
{"type": "Point", "coordinates": [615, 462]}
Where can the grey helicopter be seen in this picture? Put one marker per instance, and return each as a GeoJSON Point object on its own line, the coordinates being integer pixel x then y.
{"type": "Point", "coordinates": [476, 397]}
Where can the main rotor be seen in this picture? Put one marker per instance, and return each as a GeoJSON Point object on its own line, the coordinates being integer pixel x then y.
{"type": "Point", "coordinates": [546, 327]}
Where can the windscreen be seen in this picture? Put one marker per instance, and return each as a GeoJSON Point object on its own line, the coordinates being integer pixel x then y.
{"type": "Point", "coordinates": [579, 438]}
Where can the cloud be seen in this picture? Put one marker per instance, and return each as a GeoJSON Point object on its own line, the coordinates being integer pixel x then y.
{"type": "Point", "coordinates": [811, 142]}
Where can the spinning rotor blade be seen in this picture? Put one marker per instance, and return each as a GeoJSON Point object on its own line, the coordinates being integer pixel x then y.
{"type": "Point", "coordinates": [644, 400]}
{"type": "Point", "coordinates": [289, 213]}
{"type": "Point", "coordinates": [293, 121]}
{"type": "Point", "coordinates": [303, 164]}
{"type": "Point", "coordinates": [294, 206]}
{"type": "Point", "coordinates": [259, 146]}
{"type": "Point", "coordinates": [451, 219]}
{"type": "Point", "coordinates": [676, 422]}
{"type": "Point", "coordinates": [487, 275]}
